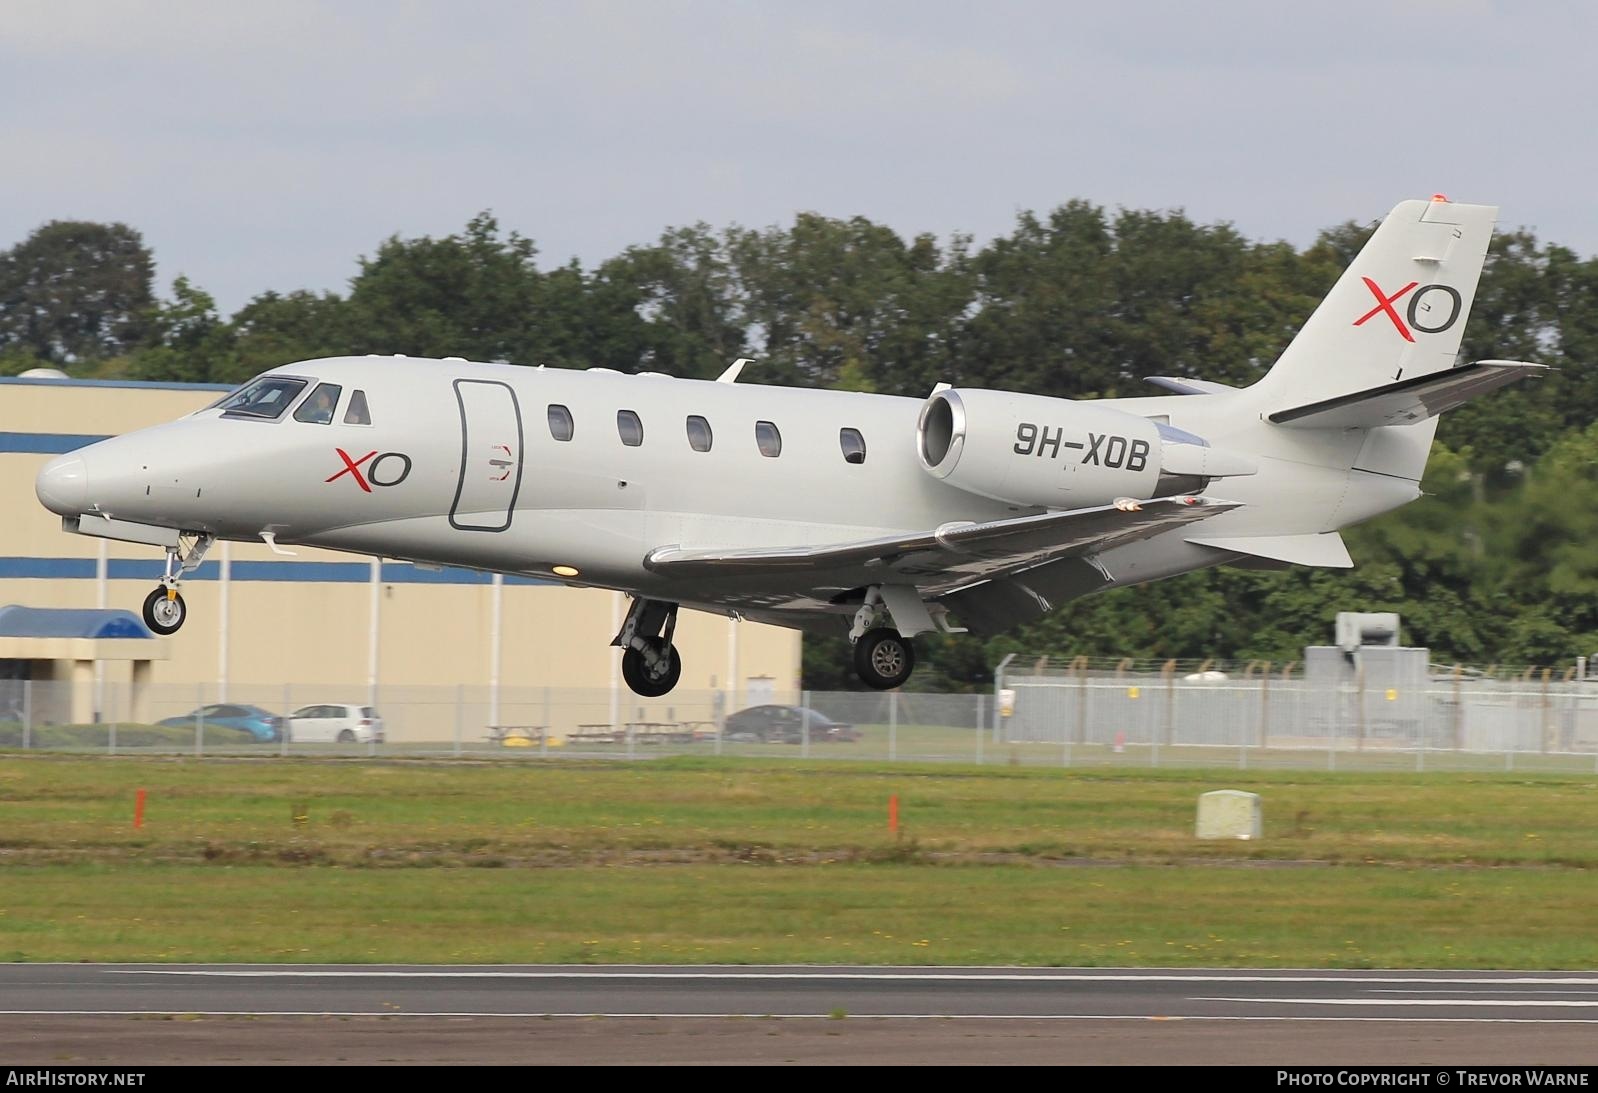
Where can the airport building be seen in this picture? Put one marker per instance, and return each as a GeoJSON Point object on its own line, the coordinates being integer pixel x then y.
{"type": "Point", "coordinates": [281, 631]}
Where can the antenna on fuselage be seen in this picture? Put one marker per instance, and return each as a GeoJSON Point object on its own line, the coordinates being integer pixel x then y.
{"type": "Point", "coordinates": [731, 374]}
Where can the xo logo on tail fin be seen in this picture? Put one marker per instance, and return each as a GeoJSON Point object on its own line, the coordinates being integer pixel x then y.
{"type": "Point", "coordinates": [1384, 305]}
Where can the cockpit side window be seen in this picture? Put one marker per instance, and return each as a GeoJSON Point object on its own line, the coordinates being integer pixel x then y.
{"type": "Point", "coordinates": [264, 399]}
{"type": "Point", "coordinates": [318, 409]}
{"type": "Point", "coordinates": [358, 414]}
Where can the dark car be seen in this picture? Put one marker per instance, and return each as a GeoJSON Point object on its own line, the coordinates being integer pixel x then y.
{"type": "Point", "coordinates": [230, 715]}
{"type": "Point", "coordinates": [785, 725]}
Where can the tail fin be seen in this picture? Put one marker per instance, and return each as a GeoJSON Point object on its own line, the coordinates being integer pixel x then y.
{"type": "Point", "coordinates": [1397, 313]}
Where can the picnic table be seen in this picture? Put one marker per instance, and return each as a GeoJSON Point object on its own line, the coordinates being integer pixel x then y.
{"type": "Point", "coordinates": [503, 734]}
{"type": "Point", "coordinates": [642, 732]}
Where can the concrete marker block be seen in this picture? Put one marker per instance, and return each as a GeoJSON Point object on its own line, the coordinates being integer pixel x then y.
{"type": "Point", "coordinates": [1229, 814]}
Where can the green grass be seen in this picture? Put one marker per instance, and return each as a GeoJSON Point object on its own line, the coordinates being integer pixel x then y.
{"type": "Point", "coordinates": [692, 859]}
{"type": "Point", "coordinates": [1361, 916]}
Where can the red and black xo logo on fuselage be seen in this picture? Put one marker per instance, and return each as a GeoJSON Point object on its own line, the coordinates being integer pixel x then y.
{"type": "Point", "coordinates": [379, 471]}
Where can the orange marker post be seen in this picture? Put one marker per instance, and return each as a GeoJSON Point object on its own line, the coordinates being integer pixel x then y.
{"type": "Point", "coordinates": [138, 810]}
{"type": "Point", "coordinates": [893, 814]}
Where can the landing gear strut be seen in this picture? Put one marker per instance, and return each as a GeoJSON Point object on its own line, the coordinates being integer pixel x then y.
{"type": "Point", "coordinates": [164, 610]}
{"type": "Point", "coordinates": [650, 663]}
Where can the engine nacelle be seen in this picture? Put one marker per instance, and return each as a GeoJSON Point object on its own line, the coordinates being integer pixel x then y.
{"type": "Point", "coordinates": [1060, 454]}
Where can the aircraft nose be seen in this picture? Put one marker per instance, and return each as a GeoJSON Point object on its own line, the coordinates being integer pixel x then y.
{"type": "Point", "coordinates": [63, 485]}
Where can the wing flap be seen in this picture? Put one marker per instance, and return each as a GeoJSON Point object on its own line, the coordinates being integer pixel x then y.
{"type": "Point", "coordinates": [1407, 401]}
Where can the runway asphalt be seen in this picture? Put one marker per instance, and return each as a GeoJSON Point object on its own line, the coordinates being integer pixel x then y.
{"type": "Point", "coordinates": [126, 1014]}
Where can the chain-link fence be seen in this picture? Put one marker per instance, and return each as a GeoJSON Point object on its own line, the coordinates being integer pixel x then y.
{"type": "Point", "coordinates": [1058, 717]}
{"type": "Point", "coordinates": [1452, 718]}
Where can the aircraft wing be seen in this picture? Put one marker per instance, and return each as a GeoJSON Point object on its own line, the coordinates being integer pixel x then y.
{"type": "Point", "coordinates": [944, 558]}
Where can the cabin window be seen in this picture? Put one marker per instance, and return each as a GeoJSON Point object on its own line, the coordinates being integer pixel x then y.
{"type": "Point", "coordinates": [768, 439]}
{"type": "Point", "coordinates": [699, 436]}
{"type": "Point", "coordinates": [561, 426]}
{"type": "Point", "coordinates": [318, 409]}
{"type": "Point", "coordinates": [265, 398]}
{"type": "Point", "coordinates": [853, 445]}
{"type": "Point", "coordinates": [629, 428]}
{"type": "Point", "coordinates": [358, 414]}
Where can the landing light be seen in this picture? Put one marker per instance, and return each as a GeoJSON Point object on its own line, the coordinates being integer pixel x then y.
{"type": "Point", "coordinates": [564, 571]}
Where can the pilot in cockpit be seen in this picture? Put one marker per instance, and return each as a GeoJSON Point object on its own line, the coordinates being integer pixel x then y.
{"type": "Point", "coordinates": [318, 408]}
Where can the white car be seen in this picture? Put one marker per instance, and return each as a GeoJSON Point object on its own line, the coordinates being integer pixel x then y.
{"type": "Point", "coordinates": [334, 724]}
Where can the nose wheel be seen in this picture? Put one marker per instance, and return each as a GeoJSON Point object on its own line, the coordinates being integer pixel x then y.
{"type": "Point", "coordinates": [164, 610]}
{"type": "Point", "coordinates": [884, 658]}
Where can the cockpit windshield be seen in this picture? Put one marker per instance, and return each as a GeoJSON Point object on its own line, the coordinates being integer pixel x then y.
{"type": "Point", "coordinates": [264, 399]}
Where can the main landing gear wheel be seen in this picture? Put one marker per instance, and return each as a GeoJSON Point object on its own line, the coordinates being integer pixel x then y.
{"type": "Point", "coordinates": [883, 658]}
{"type": "Point", "coordinates": [164, 611]}
{"type": "Point", "coordinates": [652, 680]}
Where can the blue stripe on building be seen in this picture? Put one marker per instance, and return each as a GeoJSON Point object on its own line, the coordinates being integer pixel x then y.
{"type": "Point", "coordinates": [135, 385]}
{"type": "Point", "coordinates": [46, 443]}
{"type": "Point", "coordinates": [131, 569]}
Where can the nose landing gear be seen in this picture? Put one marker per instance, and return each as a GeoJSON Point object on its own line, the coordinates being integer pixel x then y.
{"type": "Point", "coordinates": [164, 610]}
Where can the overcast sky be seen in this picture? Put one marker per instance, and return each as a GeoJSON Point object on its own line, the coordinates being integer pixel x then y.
{"type": "Point", "coordinates": [267, 145]}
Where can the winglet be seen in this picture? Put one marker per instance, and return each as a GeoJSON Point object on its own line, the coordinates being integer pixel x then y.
{"type": "Point", "coordinates": [731, 374]}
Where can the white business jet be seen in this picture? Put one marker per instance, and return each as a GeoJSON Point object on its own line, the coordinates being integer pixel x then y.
{"type": "Point", "coordinates": [876, 516]}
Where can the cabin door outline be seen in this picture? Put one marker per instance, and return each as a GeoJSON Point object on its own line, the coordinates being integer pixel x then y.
{"type": "Point", "coordinates": [491, 456]}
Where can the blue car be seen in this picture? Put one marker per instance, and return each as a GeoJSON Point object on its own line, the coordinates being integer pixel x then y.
{"type": "Point", "coordinates": [264, 727]}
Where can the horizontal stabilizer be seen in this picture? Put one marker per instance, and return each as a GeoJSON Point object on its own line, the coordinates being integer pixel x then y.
{"type": "Point", "coordinates": [1326, 550]}
{"type": "Point", "coordinates": [1407, 401]}
{"type": "Point", "coordinates": [1184, 386]}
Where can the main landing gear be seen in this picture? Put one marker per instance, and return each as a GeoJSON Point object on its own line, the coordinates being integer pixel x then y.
{"type": "Point", "coordinates": [650, 663]}
{"type": "Point", "coordinates": [164, 610]}
{"type": "Point", "coordinates": [883, 658]}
